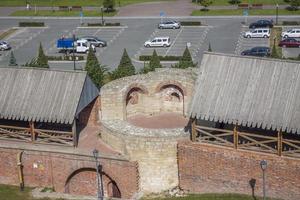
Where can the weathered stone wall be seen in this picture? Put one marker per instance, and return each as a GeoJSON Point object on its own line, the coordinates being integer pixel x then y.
{"type": "Point", "coordinates": [155, 151]}
{"type": "Point", "coordinates": [156, 92]}
{"type": "Point", "coordinates": [67, 172]}
{"type": "Point", "coordinates": [205, 168]}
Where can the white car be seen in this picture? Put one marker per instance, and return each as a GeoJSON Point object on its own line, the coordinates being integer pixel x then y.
{"type": "Point", "coordinates": [169, 24]}
{"type": "Point", "coordinates": [293, 33]}
{"type": "Point", "coordinates": [257, 33]}
{"type": "Point", "coordinates": [158, 42]}
{"type": "Point", "coordinates": [4, 46]}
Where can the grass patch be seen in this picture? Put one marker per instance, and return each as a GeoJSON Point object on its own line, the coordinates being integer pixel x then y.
{"type": "Point", "coordinates": [7, 33]}
{"type": "Point", "coordinates": [90, 13]}
{"type": "Point", "coordinates": [265, 2]}
{"type": "Point", "coordinates": [240, 12]}
{"type": "Point", "coordinates": [276, 33]}
{"type": "Point", "coordinates": [211, 197]}
{"type": "Point", "coordinates": [56, 3]}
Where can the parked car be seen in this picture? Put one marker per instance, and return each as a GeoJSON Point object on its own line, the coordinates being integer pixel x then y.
{"type": "Point", "coordinates": [4, 46]}
{"type": "Point", "coordinates": [95, 41]}
{"type": "Point", "coordinates": [289, 42]}
{"type": "Point", "coordinates": [293, 33]}
{"type": "Point", "coordinates": [158, 42]}
{"type": "Point", "coordinates": [257, 51]}
{"type": "Point", "coordinates": [169, 24]}
{"type": "Point", "coordinates": [258, 33]}
{"type": "Point", "coordinates": [263, 23]}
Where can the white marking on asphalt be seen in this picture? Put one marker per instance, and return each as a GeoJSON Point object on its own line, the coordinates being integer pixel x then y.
{"type": "Point", "coordinates": [174, 41]}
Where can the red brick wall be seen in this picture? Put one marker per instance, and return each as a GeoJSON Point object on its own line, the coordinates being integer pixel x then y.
{"type": "Point", "coordinates": [205, 168]}
{"type": "Point", "coordinates": [56, 170]}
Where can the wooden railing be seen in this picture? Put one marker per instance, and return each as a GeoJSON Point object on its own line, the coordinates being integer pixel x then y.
{"type": "Point", "coordinates": [241, 140]}
{"type": "Point", "coordinates": [36, 135]}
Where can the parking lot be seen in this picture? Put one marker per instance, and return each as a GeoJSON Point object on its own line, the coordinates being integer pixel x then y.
{"type": "Point", "coordinates": [225, 36]}
{"type": "Point", "coordinates": [290, 52]}
{"type": "Point", "coordinates": [248, 43]}
{"type": "Point", "coordinates": [193, 37]}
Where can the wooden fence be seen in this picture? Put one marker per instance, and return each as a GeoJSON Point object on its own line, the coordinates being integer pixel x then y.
{"type": "Point", "coordinates": [241, 140]}
{"type": "Point", "coordinates": [30, 134]}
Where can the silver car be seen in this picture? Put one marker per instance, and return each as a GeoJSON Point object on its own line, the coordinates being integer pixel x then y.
{"type": "Point", "coordinates": [4, 46]}
{"type": "Point", "coordinates": [169, 24]}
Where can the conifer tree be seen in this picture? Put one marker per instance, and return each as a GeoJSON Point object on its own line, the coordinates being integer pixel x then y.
{"type": "Point", "coordinates": [42, 60]}
{"type": "Point", "coordinates": [12, 59]}
{"type": "Point", "coordinates": [154, 63]}
{"type": "Point", "coordinates": [186, 60]}
{"type": "Point", "coordinates": [95, 70]}
{"type": "Point", "coordinates": [274, 53]}
{"type": "Point", "coordinates": [209, 47]}
{"type": "Point", "coordinates": [125, 67]}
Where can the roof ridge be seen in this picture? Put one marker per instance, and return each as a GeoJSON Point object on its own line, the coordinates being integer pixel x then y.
{"type": "Point", "coordinates": [45, 69]}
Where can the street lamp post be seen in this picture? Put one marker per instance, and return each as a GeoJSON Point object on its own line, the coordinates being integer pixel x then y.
{"type": "Point", "coordinates": [102, 16]}
{"type": "Point", "coordinates": [99, 193]}
{"type": "Point", "coordinates": [74, 66]}
{"type": "Point", "coordinates": [263, 165]}
{"type": "Point", "coordinates": [277, 14]}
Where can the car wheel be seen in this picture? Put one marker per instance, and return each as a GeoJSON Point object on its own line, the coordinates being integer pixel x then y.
{"type": "Point", "coordinates": [285, 36]}
{"type": "Point", "coordinates": [284, 46]}
{"type": "Point", "coordinates": [165, 45]}
{"type": "Point", "coordinates": [248, 36]}
{"type": "Point", "coordinates": [174, 27]}
{"type": "Point", "coordinates": [148, 45]}
{"type": "Point", "coordinates": [265, 36]}
{"type": "Point", "coordinates": [160, 27]}
{"type": "Point", "coordinates": [100, 45]}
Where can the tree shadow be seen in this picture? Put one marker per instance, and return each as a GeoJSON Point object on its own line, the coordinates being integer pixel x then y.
{"type": "Point", "coordinates": [252, 183]}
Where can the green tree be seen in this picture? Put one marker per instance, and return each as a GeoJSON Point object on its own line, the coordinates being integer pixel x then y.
{"type": "Point", "coordinates": [95, 70]}
{"type": "Point", "coordinates": [205, 4]}
{"type": "Point", "coordinates": [154, 63]}
{"type": "Point", "coordinates": [109, 5]}
{"type": "Point", "coordinates": [274, 53]}
{"type": "Point", "coordinates": [12, 59]}
{"type": "Point", "coordinates": [209, 47]}
{"type": "Point", "coordinates": [186, 60]}
{"type": "Point", "coordinates": [125, 67]}
{"type": "Point", "coordinates": [42, 60]}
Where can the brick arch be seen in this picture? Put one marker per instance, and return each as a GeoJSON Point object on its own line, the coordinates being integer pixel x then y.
{"type": "Point", "coordinates": [141, 87]}
{"type": "Point", "coordinates": [171, 82]}
{"type": "Point", "coordinates": [83, 181]}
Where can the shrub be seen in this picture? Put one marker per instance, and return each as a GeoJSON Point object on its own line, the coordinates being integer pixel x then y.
{"type": "Point", "coordinates": [234, 2]}
{"type": "Point", "coordinates": [65, 57]}
{"type": "Point", "coordinates": [161, 58]}
{"type": "Point", "coordinates": [31, 24]}
{"type": "Point", "coordinates": [106, 24]}
{"type": "Point", "coordinates": [191, 23]}
{"type": "Point", "coordinates": [288, 23]}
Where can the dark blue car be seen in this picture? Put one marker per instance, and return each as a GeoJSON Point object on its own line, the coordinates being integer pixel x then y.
{"type": "Point", "coordinates": [257, 51]}
{"type": "Point", "coordinates": [263, 23]}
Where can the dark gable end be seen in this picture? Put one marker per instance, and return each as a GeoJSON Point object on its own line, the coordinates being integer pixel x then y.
{"type": "Point", "coordinates": [249, 91]}
{"type": "Point", "coordinates": [41, 95]}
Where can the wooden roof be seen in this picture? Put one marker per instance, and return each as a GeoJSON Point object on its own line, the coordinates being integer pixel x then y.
{"type": "Point", "coordinates": [44, 95]}
{"type": "Point", "coordinates": [249, 91]}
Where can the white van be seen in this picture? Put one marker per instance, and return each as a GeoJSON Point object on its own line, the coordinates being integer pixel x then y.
{"type": "Point", "coordinates": [258, 33]}
{"type": "Point", "coordinates": [291, 33]}
{"type": "Point", "coordinates": [158, 42]}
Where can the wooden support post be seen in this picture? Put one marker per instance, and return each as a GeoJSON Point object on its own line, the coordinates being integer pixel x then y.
{"type": "Point", "coordinates": [74, 130]}
{"type": "Point", "coordinates": [279, 142]}
{"type": "Point", "coordinates": [32, 132]}
{"type": "Point", "coordinates": [235, 137]}
{"type": "Point", "coordinates": [194, 132]}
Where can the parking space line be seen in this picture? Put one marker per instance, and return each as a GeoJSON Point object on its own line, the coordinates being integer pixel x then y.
{"type": "Point", "coordinates": [174, 41]}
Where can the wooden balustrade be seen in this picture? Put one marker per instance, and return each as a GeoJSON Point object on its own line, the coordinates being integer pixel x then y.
{"type": "Point", "coordinates": [251, 141]}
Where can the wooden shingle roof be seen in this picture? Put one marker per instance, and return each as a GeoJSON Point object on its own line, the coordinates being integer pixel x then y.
{"type": "Point", "coordinates": [43, 95]}
{"type": "Point", "coordinates": [249, 91]}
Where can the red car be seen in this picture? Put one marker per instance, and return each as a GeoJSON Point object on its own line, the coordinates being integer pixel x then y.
{"type": "Point", "coordinates": [289, 42]}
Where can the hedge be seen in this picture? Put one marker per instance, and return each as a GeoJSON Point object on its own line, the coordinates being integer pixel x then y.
{"type": "Point", "coordinates": [106, 24]}
{"type": "Point", "coordinates": [192, 23]}
{"type": "Point", "coordinates": [65, 58]}
{"type": "Point", "coordinates": [31, 24]}
{"type": "Point", "coordinates": [161, 58]}
{"type": "Point", "coordinates": [287, 23]}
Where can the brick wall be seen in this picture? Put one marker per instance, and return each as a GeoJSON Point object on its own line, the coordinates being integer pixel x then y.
{"type": "Point", "coordinates": [205, 168]}
{"type": "Point", "coordinates": [90, 114]}
{"type": "Point", "coordinates": [65, 172]}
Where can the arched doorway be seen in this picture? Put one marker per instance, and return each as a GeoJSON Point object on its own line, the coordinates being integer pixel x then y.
{"type": "Point", "coordinates": [84, 182]}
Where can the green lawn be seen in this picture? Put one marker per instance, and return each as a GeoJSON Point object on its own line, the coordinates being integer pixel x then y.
{"type": "Point", "coordinates": [69, 2]}
{"type": "Point", "coordinates": [240, 12]}
{"type": "Point", "coordinates": [265, 2]}
{"type": "Point", "coordinates": [14, 193]}
{"type": "Point", "coordinates": [211, 197]}
{"type": "Point", "coordinates": [90, 13]}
